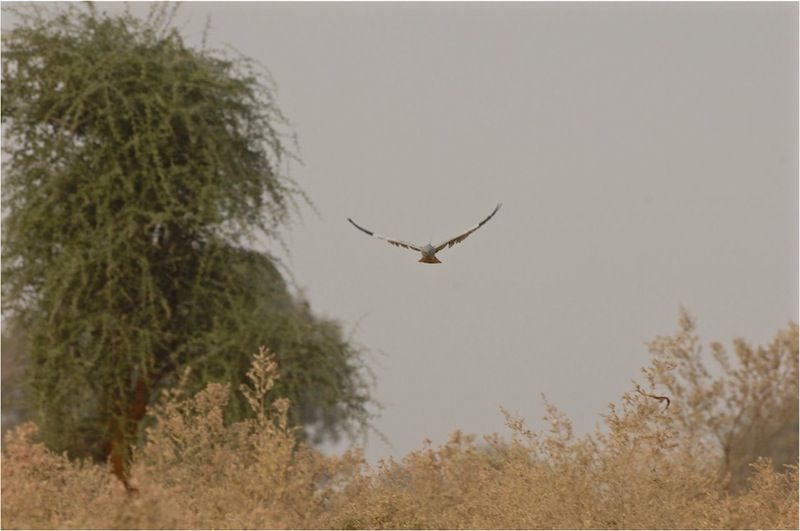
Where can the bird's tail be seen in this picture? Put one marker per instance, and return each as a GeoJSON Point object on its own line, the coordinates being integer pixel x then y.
{"type": "Point", "coordinates": [430, 260]}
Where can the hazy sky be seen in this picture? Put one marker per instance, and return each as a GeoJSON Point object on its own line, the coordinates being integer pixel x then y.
{"type": "Point", "coordinates": [646, 155]}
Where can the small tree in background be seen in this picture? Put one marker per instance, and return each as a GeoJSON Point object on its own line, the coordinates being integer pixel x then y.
{"type": "Point", "coordinates": [139, 171]}
{"type": "Point", "coordinates": [743, 409]}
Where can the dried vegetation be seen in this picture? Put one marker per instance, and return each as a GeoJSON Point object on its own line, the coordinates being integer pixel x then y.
{"type": "Point", "coordinates": [723, 454]}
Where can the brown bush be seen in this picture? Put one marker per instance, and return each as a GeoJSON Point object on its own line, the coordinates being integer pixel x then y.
{"type": "Point", "coordinates": [651, 466]}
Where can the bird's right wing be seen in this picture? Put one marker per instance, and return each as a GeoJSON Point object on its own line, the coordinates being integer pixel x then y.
{"type": "Point", "coordinates": [398, 243]}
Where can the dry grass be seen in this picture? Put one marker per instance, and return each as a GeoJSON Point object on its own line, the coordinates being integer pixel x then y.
{"type": "Point", "coordinates": [649, 467]}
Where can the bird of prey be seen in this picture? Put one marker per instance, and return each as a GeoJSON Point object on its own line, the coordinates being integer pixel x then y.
{"type": "Point", "coordinates": [429, 251]}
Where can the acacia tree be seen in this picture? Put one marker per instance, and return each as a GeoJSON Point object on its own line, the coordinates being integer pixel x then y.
{"type": "Point", "coordinates": [139, 170]}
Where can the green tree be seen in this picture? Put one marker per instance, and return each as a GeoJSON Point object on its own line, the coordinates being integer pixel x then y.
{"type": "Point", "coordinates": [140, 171]}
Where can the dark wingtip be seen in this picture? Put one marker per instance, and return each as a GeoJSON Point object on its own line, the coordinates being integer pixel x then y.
{"type": "Point", "coordinates": [362, 229]}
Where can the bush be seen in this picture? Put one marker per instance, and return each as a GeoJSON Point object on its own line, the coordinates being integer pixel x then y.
{"type": "Point", "coordinates": [648, 468]}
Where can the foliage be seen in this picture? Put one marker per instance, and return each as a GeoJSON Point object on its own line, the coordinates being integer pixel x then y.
{"type": "Point", "coordinates": [744, 409]}
{"type": "Point", "coordinates": [14, 410]}
{"type": "Point", "coordinates": [139, 171]}
{"type": "Point", "coordinates": [642, 471]}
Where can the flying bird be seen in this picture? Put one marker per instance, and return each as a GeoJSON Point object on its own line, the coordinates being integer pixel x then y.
{"type": "Point", "coordinates": [429, 251]}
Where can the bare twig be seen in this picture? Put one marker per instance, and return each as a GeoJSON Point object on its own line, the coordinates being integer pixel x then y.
{"type": "Point", "coordinates": [655, 397]}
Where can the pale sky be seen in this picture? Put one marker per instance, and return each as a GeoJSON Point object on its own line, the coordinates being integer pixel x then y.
{"type": "Point", "coordinates": [646, 155]}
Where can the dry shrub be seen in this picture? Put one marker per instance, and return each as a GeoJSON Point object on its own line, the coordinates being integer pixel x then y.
{"type": "Point", "coordinates": [742, 409]}
{"type": "Point", "coordinates": [651, 466]}
{"type": "Point", "coordinates": [194, 471]}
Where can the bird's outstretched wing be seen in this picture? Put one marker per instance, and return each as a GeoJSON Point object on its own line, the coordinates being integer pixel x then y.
{"type": "Point", "coordinates": [398, 243]}
{"type": "Point", "coordinates": [463, 236]}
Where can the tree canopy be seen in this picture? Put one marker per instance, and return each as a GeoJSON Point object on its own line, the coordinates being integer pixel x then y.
{"type": "Point", "coordinates": [139, 173]}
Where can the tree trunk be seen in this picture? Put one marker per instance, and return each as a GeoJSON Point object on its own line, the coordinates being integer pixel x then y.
{"type": "Point", "coordinates": [118, 446]}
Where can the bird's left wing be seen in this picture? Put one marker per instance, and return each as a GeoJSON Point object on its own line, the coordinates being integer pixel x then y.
{"type": "Point", "coordinates": [461, 237]}
{"type": "Point", "coordinates": [398, 243]}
